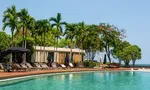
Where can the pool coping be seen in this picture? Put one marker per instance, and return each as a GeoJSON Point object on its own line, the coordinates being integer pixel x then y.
{"type": "Point", "coordinates": [9, 75]}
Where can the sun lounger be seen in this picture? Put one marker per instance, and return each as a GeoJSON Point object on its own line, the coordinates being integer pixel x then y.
{"type": "Point", "coordinates": [71, 65]}
{"type": "Point", "coordinates": [17, 67]}
{"type": "Point", "coordinates": [55, 66]}
{"type": "Point", "coordinates": [80, 66]}
{"type": "Point", "coordinates": [44, 66]}
{"type": "Point", "coordinates": [3, 66]}
{"type": "Point", "coordinates": [24, 67]}
{"type": "Point", "coordinates": [63, 66]}
{"type": "Point", "coordinates": [30, 66]}
{"type": "Point", "coordinates": [38, 66]}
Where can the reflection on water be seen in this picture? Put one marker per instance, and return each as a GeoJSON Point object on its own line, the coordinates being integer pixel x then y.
{"type": "Point", "coordinates": [70, 77]}
{"type": "Point", "coordinates": [62, 77]}
{"type": "Point", "coordinates": [85, 81]}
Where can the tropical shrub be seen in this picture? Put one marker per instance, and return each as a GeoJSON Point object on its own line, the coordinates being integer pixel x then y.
{"type": "Point", "coordinates": [89, 64]}
{"type": "Point", "coordinates": [30, 46]}
{"type": "Point", "coordinates": [108, 63]}
{"type": "Point", "coordinates": [4, 40]}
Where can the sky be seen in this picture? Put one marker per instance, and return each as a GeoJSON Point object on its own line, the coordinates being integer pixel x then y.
{"type": "Point", "coordinates": [131, 15]}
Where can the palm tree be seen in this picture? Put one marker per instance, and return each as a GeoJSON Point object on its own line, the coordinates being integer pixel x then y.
{"type": "Point", "coordinates": [43, 26]}
{"type": "Point", "coordinates": [80, 35]}
{"type": "Point", "coordinates": [31, 26]}
{"type": "Point", "coordinates": [70, 34]}
{"type": "Point", "coordinates": [24, 19]}
{"type": "Point", "coordinates": [91, 41]}
{"type": "Point", "coordinates": [58, 25]}
{"type": "Point", "coordinates": [10, 19]}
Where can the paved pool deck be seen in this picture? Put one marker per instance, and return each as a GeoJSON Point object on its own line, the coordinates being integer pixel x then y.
{"type": "Point", "coordinates": [6, 75]}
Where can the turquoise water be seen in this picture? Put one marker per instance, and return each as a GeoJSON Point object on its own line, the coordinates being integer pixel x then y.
{"type": "Point", "coordinates": [122, 80]}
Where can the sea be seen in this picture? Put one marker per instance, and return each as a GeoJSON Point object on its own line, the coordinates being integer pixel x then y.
{"type": "Point", "coordinates": [138, 65]}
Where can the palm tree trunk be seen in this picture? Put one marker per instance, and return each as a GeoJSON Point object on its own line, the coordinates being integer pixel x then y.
{"type": "Point", "coordinates": [71, 51]}
{"type": "Point", "coordinates": [81, 49]}
{"type": "Point", "coordinates": [41, 49]}
{"type": "Point", "coordinates": [24, 45]}
{"type": "Point", "coordinates": [25, 42]}
{"type": "Point", "coordinates": [79, 55]}
{"type": "Point", "coordinates": [12, 45]}
{"type": "Point", "coordinates": [44, 45]}
{"type": "Point", "coordinates": [56, 49]}
{"type": "Point", "coordinates": [35, 46]}
{"type": "Point", "coordinates": [23, 38]}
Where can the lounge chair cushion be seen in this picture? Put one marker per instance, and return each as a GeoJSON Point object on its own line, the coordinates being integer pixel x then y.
{"type": "Point", "coordinates": [71, 65]}
{"type": "Point", "coordinates": [62, 65]}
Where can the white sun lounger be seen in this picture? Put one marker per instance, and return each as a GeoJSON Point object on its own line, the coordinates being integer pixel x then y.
{"type": "Point", "coordinates": [71, 65]}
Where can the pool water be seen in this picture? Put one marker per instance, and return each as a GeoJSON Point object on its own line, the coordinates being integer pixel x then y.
{"type": "Point", "coordinates": [113, 80]}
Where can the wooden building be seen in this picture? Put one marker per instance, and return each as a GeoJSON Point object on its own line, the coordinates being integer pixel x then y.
{"type": "Point", "coordinates": [63, 55]}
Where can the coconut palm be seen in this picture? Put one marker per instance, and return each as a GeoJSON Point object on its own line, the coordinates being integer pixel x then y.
{"type": "Point", "coordinates": [57, 23]}
{"type": "Point", "coordinates": [39, 32]}
{"type": "Point", "coordinates": [70, 34]}
{"type": "Point", "coordinates": [25, 21]}
{"type": "Point", "coordinates": [31, 26]}
{"type": "Point", "coordinates": [10, 19]}
{"type": "Point", "coordinates": [43, 26]}
{"type": "Point", "coordinates": [24, 18]}
{"type": "Point", "coordinates": [80, 35]}
{"type": "Point", "coordinates": [91, 42]}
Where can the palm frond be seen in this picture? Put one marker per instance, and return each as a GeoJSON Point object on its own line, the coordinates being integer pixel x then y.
{"type": "Point", "coordinates": [59, 18]}
{"type": "Point", "coordinates": [5, 25]}
{"type": "Point", "coordinates": [52, 25]}
{"type": "Point", "coordinates": [63, 23]}
{"type": "Point", "coordinates": [5, 18]}
{"type": "Point", "coordinates": [53, 19]}
{"type": "Point", "coordinates": [61, 30]}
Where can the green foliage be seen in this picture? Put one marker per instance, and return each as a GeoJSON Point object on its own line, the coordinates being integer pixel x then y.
{"type": "Point", "coordinates": [109, 35]}
{"type": "Point", "coordinates": [64, 43]}
{"type": "Point", "coordinates": [132, 52]}
{"type": "Point", "coordinates": [42, 27]}
{"type": "Point", "coordinates": [70, 31]}
{"type": "Point", "coordinates": [57, 23]}
{"type": "Point", "coordinates": [108, 63]}
{"type": "Point", "coordinates": [10, 19]}
{"type": "Point", "coordinates": [30, 46]}
{"type": "Point", "coordinates": [89, 64]}
{"type": "Point", "coordinates": [44, 32]}
{"type": "Point", "coordinates": [4, 40]}
{"type": "Point", "coordinates": [49, 40]}
{"type": "Point", "coordinates": [119, 46]}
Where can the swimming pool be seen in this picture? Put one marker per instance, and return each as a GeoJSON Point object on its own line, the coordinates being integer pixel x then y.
{"type": "Point", "coordinates": [103, 80]}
